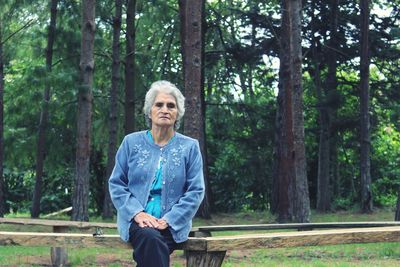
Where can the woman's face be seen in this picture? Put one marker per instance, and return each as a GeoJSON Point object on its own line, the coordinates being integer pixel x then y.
{"type": "Point", "coordinates": [164, 111]}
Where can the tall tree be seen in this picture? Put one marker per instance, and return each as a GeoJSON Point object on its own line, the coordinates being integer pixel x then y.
{"type": "Point", "coordinates": [80, 201]}
{"type": "Point", "coordinates": [113, 117]}
{"type": "Point", "coordinates": [365, 142]}
{"type": "Point", "coordinates": [2, 203]}
{"type": "Point", "coordinates": [325, 93]}
{"type": "Point", "coordinates": [192, 41]}
{"type": "Point", "coordinates": [397, 215]}
{"type": "Point", "coordinates": [301, 202]}
{"type": "Point", "coordinates": [130, 67]}
{"type": "Point", "coordinates": [323, 192]}
{"type": "Point", "coordinates": [292, 189]}
{"type": "Point", "coordinates": [41, 141]}
{"type": "Point", "coordinates": [332, 98]}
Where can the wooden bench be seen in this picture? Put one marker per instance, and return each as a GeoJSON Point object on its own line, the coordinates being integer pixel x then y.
{"type": "Point", "coordinates": [203, 231]}
{"type": "Point", "coordinates": [59, 255]}
{"type": "Point", "coordinates": [210, 251]}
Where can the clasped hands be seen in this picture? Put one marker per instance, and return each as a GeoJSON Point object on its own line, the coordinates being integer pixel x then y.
{"type": "Point", "coordinates": [144, 219]}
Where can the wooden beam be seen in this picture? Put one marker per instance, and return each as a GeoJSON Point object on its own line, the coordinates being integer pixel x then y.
{"type": "Point", "coordinates": [221, 243]}
{"type": "Point", "coordinates": [57, 212]}
{"type": "Point", "coordinates": [299, 226]}
{"type": "Point", "coordinates": [59, 255]}
{"type": "Point", "coordinates": [305, 238]}
{"type": "Point", "coordinates": [60, 223]}
{"type": "Point", "coordinates": [204, 258]}
{"type": "Point", "coordinates": [72, 240]}
{"type": "Point", "coordinates": [195, 244]}
{"type": "Point", "coordinates": [67, 240]}
{"type": "Point", "coordinates": [211, 228]}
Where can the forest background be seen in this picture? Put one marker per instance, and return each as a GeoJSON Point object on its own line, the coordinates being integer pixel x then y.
{"type": "Point", "coordinates": [241, 82]}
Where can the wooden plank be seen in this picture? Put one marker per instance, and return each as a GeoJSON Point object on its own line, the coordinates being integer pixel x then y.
{"type": "Point", "coordinates": [195, 244]}
{"type": "Point", "coordinates": [67, 240]}
{"type": "Point", "coordinates": [204, 258]}
{"type": "Point", "coordinates": [212, 228]}
{"type": "Point", "coordinates": [300, 226]}
{"type": "Point", "coordinates": [58, 255]}
{"type": "Point", "coordinates": [304, 238]}
{"type": "Point", "coordinates": [57, 212]}
{"type": "Point", "coordinates": [222, 243]}
{"type": "Point", "coordinates": [60, 223]}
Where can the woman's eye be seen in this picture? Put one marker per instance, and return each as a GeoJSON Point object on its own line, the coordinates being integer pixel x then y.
{"type": "Point", "coordinates": [171, 105]}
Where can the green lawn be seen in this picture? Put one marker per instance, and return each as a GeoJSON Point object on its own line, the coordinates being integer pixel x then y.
{"type": "Point", "coordinates": [365, 255]}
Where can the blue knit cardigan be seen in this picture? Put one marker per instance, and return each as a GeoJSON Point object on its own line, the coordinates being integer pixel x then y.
{"type": "Point", "coordinates": [183, 184]}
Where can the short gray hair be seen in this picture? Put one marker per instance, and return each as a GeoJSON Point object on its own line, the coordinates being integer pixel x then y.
{"type": "Point", "coordinates": [167, 88]}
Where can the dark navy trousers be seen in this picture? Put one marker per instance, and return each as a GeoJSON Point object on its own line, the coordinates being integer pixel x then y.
{"type": "Point", "coordinates": [151, 247]}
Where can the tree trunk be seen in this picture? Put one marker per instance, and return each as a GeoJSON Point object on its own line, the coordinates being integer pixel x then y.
{"type": "Point", "coordinates": [323, 189]}
{"type": "Point", "coordinates": [323, 192]}
{"type": "Point", "coordinates": [293, 202]}
{"type": "Point", "coordinates": [302, 201]}
{"type": "Point", "coordinates": [80, 199]}
{"type": "Point", "coordinates": [326, 153]}
{"type": "Point", "coordinates": [331, 90]}
{"type": "Point", "coordinates": [397, 215]}
{"type": "Point", "coordinates": [41, 141]}
{"type": "Point", "coordinates": [192, 42]}
{"type": "Point", "coordinates": [274, 205]}
{"type": "Point", "coordinates": [365, 142]}
{"type": "Point", "coordinates": [113, 118]}
{"type": "Point", "coordinates": [2, 187]}
{"type": "Point", "coordinates": [130, 67]}
{"type": "Point", "coordinates": [285, 136]}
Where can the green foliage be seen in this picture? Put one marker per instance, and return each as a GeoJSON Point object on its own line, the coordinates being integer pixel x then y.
{"type": "Point", "coordinates": [386, 155]}
{"type": "Point", "coordinates": [241, 75]}
{"type": "Point", "coordinates": [58, 188]}
{"type": "Point", "coordinates": [240, 174]}
{"type": "Point", "coordinates": [343, 203]}
{"type": "Point", "coordinates": [18, 186]}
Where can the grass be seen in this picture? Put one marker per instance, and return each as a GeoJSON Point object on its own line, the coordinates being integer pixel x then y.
{"type": "Point", "coordinates": [381, 254]}
{"type": "Point", "coordinates": [365, 255]}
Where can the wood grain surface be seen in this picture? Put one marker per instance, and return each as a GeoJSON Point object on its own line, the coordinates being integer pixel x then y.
{"type": "Point", "coordinates": [76, 224]}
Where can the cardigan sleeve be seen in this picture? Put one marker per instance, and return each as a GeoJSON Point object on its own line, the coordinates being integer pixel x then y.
{"type": "Point", "coordinates": [125, 203]}
{"type": "Point", "coordinates": [184, 210]}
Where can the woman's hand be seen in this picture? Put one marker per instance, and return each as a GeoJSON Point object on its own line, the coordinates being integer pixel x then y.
{"type": "Point", "coordinates": [162, 224]}
{"type": "Point", "coordinates": [144, 219]}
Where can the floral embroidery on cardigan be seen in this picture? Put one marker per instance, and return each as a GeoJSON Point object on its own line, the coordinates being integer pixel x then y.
{"type": "Point", "coordinates": [137, 148]}
{"type": "Point", "coordinates": [176, 153]}
{"type": "Point", "coordinates": [143, 155]}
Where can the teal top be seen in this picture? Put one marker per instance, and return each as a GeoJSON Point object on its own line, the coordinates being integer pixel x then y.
{"type": "Point", "coordinates": [153, 206]}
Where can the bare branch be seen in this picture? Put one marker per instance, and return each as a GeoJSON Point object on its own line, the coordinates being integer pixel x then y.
{"type": "Point", "coordinates": [26, 25]}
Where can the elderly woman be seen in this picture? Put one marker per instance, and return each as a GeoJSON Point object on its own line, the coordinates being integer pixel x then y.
{"type": "Point", "coordinates": [157, 183]}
